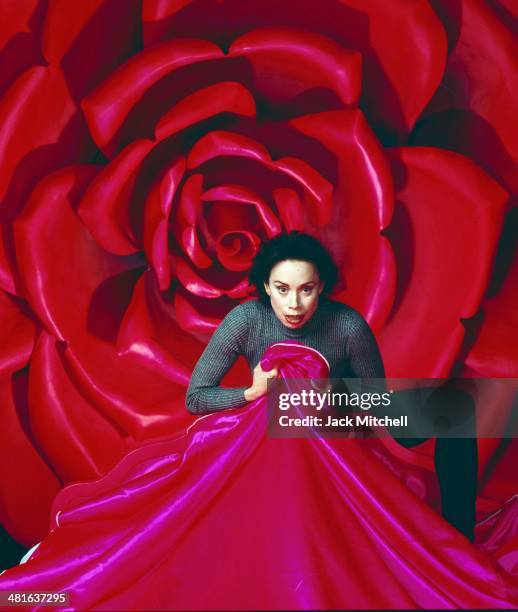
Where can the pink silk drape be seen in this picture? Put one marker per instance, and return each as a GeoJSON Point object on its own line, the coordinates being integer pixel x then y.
{"type": "Point", "coordinates": [226, 517]}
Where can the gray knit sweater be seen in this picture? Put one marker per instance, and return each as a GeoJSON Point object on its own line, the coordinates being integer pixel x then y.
{"type": "Point", "coordinates": [337, 331]}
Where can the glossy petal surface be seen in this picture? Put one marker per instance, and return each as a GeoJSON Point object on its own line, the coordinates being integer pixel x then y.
{"type": "Point", "coordinates": [494, 352]}
{"type": "Point", "coordinates": [149, 331]}
{"type": "Point", "coordinates": [22, 128]}
{"type": "Point", "coordinates": [363, 201]}
{"type": "Point", "coordinates": [89, 443]}
{"type": "Point", "coordinates": [89, 324]}
{"type": "Point", "coordinates": [17, 335]}
{"type": "Point", "coordinates": [105, 206]}
{"type": "Point", "coordinates": [24, 511]}
{"type": "Point", "coordinates": [15, 18]}
{"type": "Point", "coordinates": [156, 221]}
{"type": "Point", "coordinates": [287, 63]}
{"type": "Point", "coordinates": [108, 106]}
{"type": "Point", "coordinates": [209, 101]}
{"type": "Point", "coordinates": [442, 274]}
{"type": "Point", "coordinates": [474, 111]}
{"type": "Point", "coordinates": [398, 80]}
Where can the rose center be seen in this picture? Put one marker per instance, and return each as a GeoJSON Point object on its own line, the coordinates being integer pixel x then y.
{"type": "Point", "coordinates": [235, 250]}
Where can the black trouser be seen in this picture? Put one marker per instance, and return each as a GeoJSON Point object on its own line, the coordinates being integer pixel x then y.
{"type": "Point", "coordinates": [456, 458]}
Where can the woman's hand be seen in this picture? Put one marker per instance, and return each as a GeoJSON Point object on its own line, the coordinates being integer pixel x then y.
{"type": "Point", "coordinates": [260, 382]}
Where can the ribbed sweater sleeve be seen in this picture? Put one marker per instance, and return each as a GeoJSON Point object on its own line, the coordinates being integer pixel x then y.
{"type": "Point", "coordinates": [362, 349]}
{"type": "Point", "coordinates": [228, 342]}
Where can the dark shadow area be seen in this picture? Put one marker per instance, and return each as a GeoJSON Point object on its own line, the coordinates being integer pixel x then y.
{"type": "Point", "coordinates": [468, 134]}
{"type": "Point", "coordinates": [402, 239]}
{"type": "Point", "coordinates": [109, 304]}
{"type": "Point", "coordinates": [109, 38]}
{"type": "Point", "coordinates": [11, 551]}
{"type": "Point", "coordinates": [22, 51]}
{"type": "Point", "coordinates": [472, 326]}
{"type": "Point", "coordinates": [75, 146]}
{"type": "Point", "coordinates": [510, 20]}
{"type": "Point", "coordinates": [450, 13]}
{"type": "Point", "coordinates": [505, 253]}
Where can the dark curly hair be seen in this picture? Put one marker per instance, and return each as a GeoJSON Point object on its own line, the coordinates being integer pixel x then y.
{"type": "Point", "coordinates": [292, 245]}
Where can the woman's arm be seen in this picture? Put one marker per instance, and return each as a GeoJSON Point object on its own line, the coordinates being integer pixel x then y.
{"type": "Point", "coordinates": [228, 342]}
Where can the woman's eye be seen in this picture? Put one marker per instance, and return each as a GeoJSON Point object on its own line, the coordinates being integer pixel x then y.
{"type": "Point", "coordinates": [307, 289]}
{"type": "Point", "coordinates": [281, 289]}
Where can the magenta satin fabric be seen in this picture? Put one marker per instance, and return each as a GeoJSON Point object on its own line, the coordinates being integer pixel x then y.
{"type": "Point", "coordinates": [225, 517]}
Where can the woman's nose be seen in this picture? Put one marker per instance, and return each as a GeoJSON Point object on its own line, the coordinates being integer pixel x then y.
{"type": "Point", "coordinates": [293, 300]}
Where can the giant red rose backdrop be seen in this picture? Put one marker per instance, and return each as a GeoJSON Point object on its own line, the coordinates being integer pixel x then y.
{"type": "Point", "coordinates": [147, 150]}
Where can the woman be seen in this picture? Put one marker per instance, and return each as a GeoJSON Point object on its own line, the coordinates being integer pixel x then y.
{"type": "Point", "coordinates": [227, 517]}
{"type": "Point", "coordinates": [294, 275]}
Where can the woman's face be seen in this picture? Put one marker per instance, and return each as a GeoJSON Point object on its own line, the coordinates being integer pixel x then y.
{"type": "Point", "coordinates": [294, 288]}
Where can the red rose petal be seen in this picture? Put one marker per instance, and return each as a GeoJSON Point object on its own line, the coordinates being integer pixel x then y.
{"type": "Point", "coordinates": [220, 143]}
{"type": "Point", "coordinates": [236, 250]}
{"type": "Point", "coordinates": [287, 62]}
{"type": "Point", "coordinates": [78, 442]}
{"type": "Point", "coordinates": [76, 268]}
{"type": "Point", "coordinates": [139, 334]}
{"type": "Point", "coordinates": [108, 106]}
{"type": "Point", "coordinates": [190, 200]}
{"type": "Point", "coordinates": [201, 316]}
{"type": "Point", "coordinates": [242, 195]}
{"type": "Point", "coordinates": [494, 406]}
{"type": "Point", "coordinates": [15, 18]}
{"type": "Point", "coordinates": [362, 208]}
{"type": "Point", "coordinates": [192, 247]}
{"type": "Point", "coordinates": [455, 214]}
{"type": "Point", "coordinates": [481, 79]}
{"type": "Point", "coordinates": [24, 510]}
{"type": "Point", "coordinates": [18, 456]}
{"type": "Point", "coordinates": [507, 10]}
{"type": "Point", "coordinates": [156, 221]}
{"type": "Point", "coordinates": [40, 130]}
{"type": "Point", "coordinates": [224, 97]}
{"type": "Point", "coordinates": [159, 254]}
{"type": "Point", "coordinates": [189, 213]}
{"type": "Point", "coordinates": [319, 190]}
{"type": "Point", "coordinates": [241, 290]}
{"type": "Point", "coordinates": [222, 217]}
{"type": "Point", "coordinates": [399, 79]}
{"type": "Point", "coordinates": [20, 31]}
{"type": "Point", "coordinates": [63, 24]}
{"type": "Point", "coordinates": [190, 319]}
{"type": "Point", "coordinates": [290, 209]}
{"type": "Point", "coordinates": [24, 127]}
{"type": "Point", "coordinates": [154, 10]}
{"type": "Point", "coordinates": [194, 283]}
{"type": "Point", "coordinates": [17, 335]}
{"type": "Point", "coordinates": [137, 400]}
{"type": "Point", "coordinates": [104, 207]}
{"type": "Point", "coordinates": [6, 275]}
{"type": "Point", "coordinates": [89, 39]}
{"type": "Point", "coordinates": [494, 352]}
{"type": "Point", "coordinates": [49, 215]}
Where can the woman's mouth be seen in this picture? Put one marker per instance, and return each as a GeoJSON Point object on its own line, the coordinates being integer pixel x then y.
{"type": "Point", "coordinates": [294, 319]}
